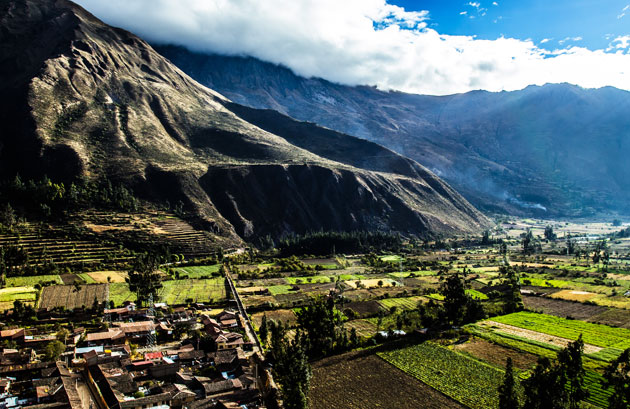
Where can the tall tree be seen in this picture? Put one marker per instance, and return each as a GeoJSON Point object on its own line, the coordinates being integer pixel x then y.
{"type": "Point", "coordinates": [322, 324]}
{"type": "Point", "coordinates": [144, 279]}
{"type": "Point", "coordinates": [263, 331]}
{"type": "Point", "coordinates": [544, 389]}
{"type": "Point", "coordinates": [570, 361]}
{"type": "Point", "coordinates": [617, 376]}
{"type": "Point", "coordinates": [508, 398]}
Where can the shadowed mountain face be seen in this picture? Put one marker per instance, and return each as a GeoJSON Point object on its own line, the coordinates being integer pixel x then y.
{"type": "Point", "coordinates": [82, 99]}
{"type": "Point", "coordinates": [555, 150]}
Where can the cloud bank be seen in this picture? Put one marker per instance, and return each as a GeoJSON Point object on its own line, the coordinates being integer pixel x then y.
{"type": "Point", "coordinates": [363, 42]}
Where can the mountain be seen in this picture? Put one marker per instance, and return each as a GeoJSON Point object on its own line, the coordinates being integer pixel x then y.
{"type": "Point", "coordinates": [552, 150]}
{"type": "Point", "coordinates": [82, 99]}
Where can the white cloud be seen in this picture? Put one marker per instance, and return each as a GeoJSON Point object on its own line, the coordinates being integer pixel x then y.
{"type": "Point", "coordinates": [545, 40]}
{"type": "Point", "coordinates": [463, 13]}
{"type": "Point", "coordinates": [494, 3]}
{"type": "Point", "coordinates": [566, 39]}
{"type": "Point", "coordinates": [361, 42]}
{"type": "Point", "coordinates": [623, 12]}
{"type": "Point", "coordinates": [474, 4]}
{"type": "Point", "coordinates": [620, 43]}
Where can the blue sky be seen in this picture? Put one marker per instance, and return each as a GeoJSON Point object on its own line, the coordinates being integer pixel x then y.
{"type": "Point", "coordinates": [426, 47]}
{"type": "Point", "coordinates": [559, 21]}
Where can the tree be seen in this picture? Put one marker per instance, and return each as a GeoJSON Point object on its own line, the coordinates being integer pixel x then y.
{"type": "Point", "coordinates": [62, 335]}
{"type": "Point", "coordinates": [485, 238]}
{"type": "Point", "coordinates": [321, 324]}
{"type": "Point", "coordinates": [544, 389]}
{"type": "Point", "coordinates": [570, 362]}
{"type": "Point", "coordinates": [528, 242]}
{"type": "Point", "coordinates": [512, 295]}
{"type": "Point", "coordinates": [7, 216]}
{"type": "Point", "coordinates": [143, 278]}
{"type": "Point", "coordinates": [617, 376]}
{"type": "Point", "coordinates": [53, 350]}
{"type": "Point", "coordinates": [549, 234]}
{"type": "Point", "coordinates": [507, 392]}
{"type": "Point", "coordinates": [263, 330]}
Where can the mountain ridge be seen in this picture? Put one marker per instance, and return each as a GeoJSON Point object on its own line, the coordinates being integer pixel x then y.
{"type": "Point", "coordinates": [100, 102]}
{"type": "Point", "coordinates": [555, 150]}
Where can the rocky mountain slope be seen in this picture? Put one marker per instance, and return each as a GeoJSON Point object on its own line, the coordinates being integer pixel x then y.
{"type": "Point", "coordinates": [555, 150]}
{"type": "Point", "coordinates": [83, 99]}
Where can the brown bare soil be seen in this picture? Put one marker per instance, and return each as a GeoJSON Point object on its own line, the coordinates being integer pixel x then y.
{"type": "Point", "coordinates": [364, 308]}
{"type": "Point", "coordinates": [66, 296]}
{"type": "Point", "coordinates": [363, 381]}
{"type": "Point", "coordinates": [286, 316]}
{"type": "Point", "coordinates": [563, 308]}
{"type": "Point", "coordinates": [496, 354]}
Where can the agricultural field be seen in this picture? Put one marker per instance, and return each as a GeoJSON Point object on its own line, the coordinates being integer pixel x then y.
{"type": "Point", "coordinates": [361, 379]}
{"type": "Point", "coordinates": [459, 376]}
{"type": "Point", "coordinates": [198, 271]}
{"type": "Point", "coordinates": [406, 303]}
{"type": "Point", "coordinates": [68, 297]}
{"type": "Point", "coordinates": [30, 281]}
{"type": "Point", "coordinates": [177, 292]}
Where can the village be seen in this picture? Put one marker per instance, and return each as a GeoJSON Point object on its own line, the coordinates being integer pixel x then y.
{"type": "Point", "coordinates": [141, 358]}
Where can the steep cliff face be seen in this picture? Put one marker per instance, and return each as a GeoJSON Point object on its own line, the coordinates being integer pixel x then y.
{"type": "Point", "coordinates": [85, 99]}
{"type": "Point", "coordinates": [555, 150]}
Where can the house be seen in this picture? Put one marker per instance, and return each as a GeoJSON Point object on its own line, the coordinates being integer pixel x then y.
{"type": "Point", "coordinates": [136, 331]}
{"type": "Point", "coordinates": [221, 387]}
{"type": "Point", "coordinates": [15, 335]}
{"type": "Point", "coordinates": [229, 340]}
{"type": "Point", "coordinates": [113, 336]}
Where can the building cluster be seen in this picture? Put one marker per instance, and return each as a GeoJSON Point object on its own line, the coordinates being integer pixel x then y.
{"type": "Point", "coordinates": [136, 361]}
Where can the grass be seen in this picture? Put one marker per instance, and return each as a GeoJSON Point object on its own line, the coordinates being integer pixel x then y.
{"type": "Point", "coordinates": [391, 258]}
{"type": "Point", "coordinates": [594, 334]}
{"type": "Point", "coordinates": [32, 280]}
{"type": "Point", "coordinates": [477, 294]}
{"type": "Point", "coordinates": [279, 289]}
{"type": "Point", "coordinates": [119, 293]}
{"type": "Point", "coordinates": [178, 291]}
{"type": "Point", "coordinates": [463, 378]}
{"type": "Point", "coordinates": [18, 293]}
{"type": "Point", "coordinates": [309, 279]}
{"type": "Point", "coordinates": [198, 271]}
{"type": "Point", "coordinates": [404, 303]}
{"type": "Point", "coordinates": [87, 278]}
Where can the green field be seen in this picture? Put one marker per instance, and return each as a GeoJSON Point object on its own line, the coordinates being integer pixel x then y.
{"type": "Point", "coordinates": [477, 294]}
{"type": "Point", "coordinates": [594, 334]}
{"type": "Point", "coordinates": [32, 280]}
{"type": "Point", "coordinates": [86, 277]}
{"type": "Point", "coordinates": [463, 378]}
{"type": "Point", "coordinates": [178, 291]}
{"type": "Point", "coordinates": [391, 258]}
{"type": "Point", "coordinates": [18, 293]}
{"type": "Point", "coordinates": [119, 293]}
{"type": "Point", "coordinates": [198, 271]}
{"type": "Point", "coordinates": [405, 303]}
{"type": "Point", "coordinates": [309, 279]}
{"type": "Point", "coordinates": [279, 289]}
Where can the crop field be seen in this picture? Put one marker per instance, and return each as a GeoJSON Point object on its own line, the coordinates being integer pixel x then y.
{"type": "Point", "coordinates": [280, 289]}
{"type": "Point", "coordinates": [8, 295]}
{"type": "Point", "coordinates": [364, 327]}
{"type": "Point", "coordinates": [198, 271]}
{"type": "Point", "coordinates": [359, 380]}
{"type": "Point", "coordinates": [30, 281]}
{"type": "Point", "coordinates": [179, 291]}
{"type": "Point", "coordinates": [284, 316]}
{"type": "Point", "coordinates": [66, 296]}
{"type": "Point", "coordinates": [599, 335]}
{"type": "Point", "coordinates": [103, 277]}
{"type": "Point", "coordinates": [406, 303]}
{"type": "Point", "coordinates": [459, 376]}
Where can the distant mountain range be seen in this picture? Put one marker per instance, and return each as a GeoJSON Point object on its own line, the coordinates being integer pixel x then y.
{"type": "Point", "coordinates": [82, 99]}
{"type": "Point", "coordinates": [554, 150]}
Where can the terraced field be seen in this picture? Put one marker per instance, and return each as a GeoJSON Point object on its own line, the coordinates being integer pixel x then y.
{"type": "Point", "coordinates": [198, 271]}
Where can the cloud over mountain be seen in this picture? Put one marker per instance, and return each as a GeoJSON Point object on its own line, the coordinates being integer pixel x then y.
{"type": "Point", "coordinates": [362, 42]}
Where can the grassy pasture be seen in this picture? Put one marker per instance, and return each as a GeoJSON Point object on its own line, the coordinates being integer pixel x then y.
{"type": "Point", "coordinates": [198, 271]}
{"type": "Point", "coordinates": [32, 280]}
